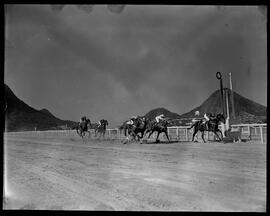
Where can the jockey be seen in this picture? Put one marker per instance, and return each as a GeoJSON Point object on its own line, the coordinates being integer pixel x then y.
{"type": "Point", "coordinates": [159, 117]}
{"type": "Point", "coordinates": [131, 121]}
{"type": "Point", "coordinates": [99, 123]}
{"type": "Point", "coordinates": [207, 118]}
{"type": "Point", "coordinates": [197, 113]}
{"type": "Point", "coordinates": [82, 119]}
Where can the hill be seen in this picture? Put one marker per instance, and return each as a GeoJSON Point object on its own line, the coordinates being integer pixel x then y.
{"type": "Point", "coordinates": [19, 116]}
{"type": "Point", "coordinates": [158, 111]}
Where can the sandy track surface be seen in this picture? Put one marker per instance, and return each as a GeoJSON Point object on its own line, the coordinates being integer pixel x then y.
{"type": "Point", "coordinates": [65, 173]}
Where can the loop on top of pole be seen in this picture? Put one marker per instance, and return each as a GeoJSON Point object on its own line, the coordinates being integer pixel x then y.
{"type": "Point", "coordinates": [218, 75]}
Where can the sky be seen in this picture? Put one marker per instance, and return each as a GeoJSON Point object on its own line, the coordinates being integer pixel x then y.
{"type": "Point", "coordinates": [101, 64]}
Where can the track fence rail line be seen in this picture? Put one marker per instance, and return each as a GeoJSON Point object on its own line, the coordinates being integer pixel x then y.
{"type": "Point", "coordinates": [256, 132]}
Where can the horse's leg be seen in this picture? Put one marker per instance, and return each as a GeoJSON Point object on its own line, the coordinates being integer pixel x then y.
{"type": "Point", "coordinates": [194, 133]}
{"type": "Point", "coordinates": [215, 131]}
{"type": "Point", "coordinates": [127, 139]}
{"type": "Point", "coordinates": [157, 136]}
{"type": "Point", "coordinates": [143, 136]}
{"type": "Point", "coordinates": [166, 133]}
{"type": "Point", "coordinates": [203, 135]}
{"type": "Point", "coordinates": [150, 134]}
{"type": "Point", "coordinates": [103, 135]}
{"type": "Point", "coordinates": [78, 131]}
{"type": "Point", "coordinates": [82, 135]}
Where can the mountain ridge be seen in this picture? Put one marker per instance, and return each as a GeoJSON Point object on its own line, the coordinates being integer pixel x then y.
{"type": "Point", "coordinates": [19, 116]}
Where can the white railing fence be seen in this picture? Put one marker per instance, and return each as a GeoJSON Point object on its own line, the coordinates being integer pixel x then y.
{"type": "Point", "coordinates": [256, 132]}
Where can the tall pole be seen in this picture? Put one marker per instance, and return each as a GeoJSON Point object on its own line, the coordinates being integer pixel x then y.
{"type": "Point", "coordinates": [219, 77]}
{"type": "Point", "coordinates": [232, 99]}
{"type": "Point", "coordinates": [228, 111]}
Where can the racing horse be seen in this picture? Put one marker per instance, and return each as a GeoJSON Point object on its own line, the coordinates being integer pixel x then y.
{"type": "Point", "coordinates": [101, 129]}
{"type": "Point", "coordinates": [211, 125]}
{"type": "Point", "coordinates": [140, 125]}
{"type": "Point", "coordinates": [82, 128]}
{"type": "Point", "coordinates": [159, 127]}
{"type": "Point", "coordinates": [129, 131]}
{"type": "Point", "coordinates": [134, 127]}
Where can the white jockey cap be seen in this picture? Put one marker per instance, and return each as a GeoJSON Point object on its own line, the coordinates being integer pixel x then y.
{"type": "Point", "coordinates": [197, 113]}
{"type": "Point", "coordinates": [162, 115]}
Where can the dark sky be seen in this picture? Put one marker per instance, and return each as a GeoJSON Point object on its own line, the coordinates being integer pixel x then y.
{"type": "Point", "coordinates": [114, 65]}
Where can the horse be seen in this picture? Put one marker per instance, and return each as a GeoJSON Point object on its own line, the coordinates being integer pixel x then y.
{"type": "Point", "coordinates": [211, 125]}
{"type": "Point", "coordinates": [82, 128]}
{"type": "Point", "coordinates": [129, 132]}
{"type": "Point", "coordinates": [140, 125]}
{"type": "Point", "coordinates": [101, 129]}
{"type": "Point", "coordinates": [134, 128]}
{"type": "Point", "coordinates": [159, 127]}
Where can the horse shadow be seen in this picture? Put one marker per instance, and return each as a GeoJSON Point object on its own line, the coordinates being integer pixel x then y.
{"type": "Point", "coordinates": [160, 142]}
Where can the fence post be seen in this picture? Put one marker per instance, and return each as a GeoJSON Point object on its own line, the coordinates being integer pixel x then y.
{"type": "Point", "coordinates": [261, 131]}
{"type": "Point", "coordinates": [249, 135]}
{"type": "Point", "coordinates": [109, 133]}
{"type": "Point", "coordinates": [186, 134]}
{"type": "Point", "coordinates": [117, 134]}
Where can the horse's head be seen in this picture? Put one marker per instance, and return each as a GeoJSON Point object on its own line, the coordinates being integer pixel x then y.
{"type": "Point", "coordinates": [220, 117]}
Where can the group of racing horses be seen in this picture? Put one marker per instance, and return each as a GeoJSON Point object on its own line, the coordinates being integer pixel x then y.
{"type": "Point", "coordinates": [83, 127]}
{"type": "Point", "coordinates": [141, 126]}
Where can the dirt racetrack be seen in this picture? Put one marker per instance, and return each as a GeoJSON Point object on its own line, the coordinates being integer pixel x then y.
{"type": "Point", "coordinates": [58, 173]}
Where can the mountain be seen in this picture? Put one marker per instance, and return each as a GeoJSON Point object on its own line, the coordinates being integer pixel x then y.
{"type": "Point", "coordinates": [158, 111]}
{"type": "Point", "coordinates": [21, 117]}
{"type": "Point", "coordinates": [246, 111]}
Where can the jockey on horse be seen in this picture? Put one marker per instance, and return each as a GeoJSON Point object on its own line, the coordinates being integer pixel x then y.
{"type": "Point", "coordinates": [101, 127]}
{"type": "Point", "coordinates": [158, 125]}
{"type": "Point", "coordinates": [208, 124]}
{"type": "Point", "coordinates": [83, 126]}
{"type": "Point", "coordinates": [207, 118]}
{"type": "Point", "coordinates": [82, 123]}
